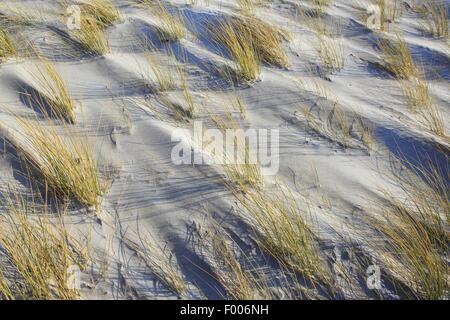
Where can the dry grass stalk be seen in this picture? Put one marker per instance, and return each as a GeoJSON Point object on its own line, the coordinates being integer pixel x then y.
{"type": "Point", "coordinates": [415, 228]}
{"type": "Point", "coordinates": [250, 41]}
{"type": "Point", "coordinates": [7, 47]}
{"type": "Point", "coordinates": [240, 47]}
{"type": "Point", "coordinates": [157, 69]}
{"type": "Point", "coordinates": [22, 14]}
{"type": "Point", "coordinates": [331, 52]}
{"type": "Point", "coordinates": [56, 94]}
{"type": "Point", "coordinates": [339, 127]}
{"type": "Point", "coordinates": [96, 16]}
{"type": "Point", "coordinates": [39, 252]}
{"type": "Point", "coordinates": [433, 119]}
{"type": "Point", "coordinates": [320, 6]}
{"type": "Point", "coordinates": [246, 6]}
{"type": "Point", "coordinates": [239, 167]}
{"type": "Point", "coordinates": [102, 11]}
{"type": "Point", "coordinates": [397, 59]}
{"type": "Point", "coordinates": [159, 261]}
{"type": "Point", "coordinates": [64, 159]}
{"type": "Point", "coordinates": [416, 92]}
{"type": "Point", "coordinates": [267, 39]}
{"type": "Point", "coordinates": [91, 36]}
{"type": "Point", "coordinates": [239, 282]}
{"type": "Point", "coordinates": [283, 232]}
{"type": "Point", "coordinates": [390, 10]}
{"type": "Point", "coordinates": [418, 99]}
{"type": "Point", "coordinates": [172, 25]}
{"type": "Point", "coordinates": [435, 14]}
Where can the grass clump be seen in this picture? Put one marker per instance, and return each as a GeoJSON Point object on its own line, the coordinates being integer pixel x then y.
{"type": "Point", "coordinates": [102, 11]}
{"type": "Point", "coordinates": [160, 262]}
{"type": "Point", "coordinates": [159, 73]}
{"type": "Point", "coordinates": [331, 52]}
{"type": "Point", "coordinates": [91, 36]}
{"type": "Point", "coordinates": [172, 25]}
{"type": "Point", "coordinates": [156, 70]}
{"type": "Point", "coordinates": [390, 10]}
{"type": "Point", "coordinates": [56, 93]}
{"type": "Point", "coordinates": [240, 163]}
{"type": "Point", "coordinates": [246, 6]}
{"type": "Point", "coordinates": [173, 28]}
{"type": "Point", "coordinates": [283, 232]}
{"type": "Point", "coordinates": [21, 14]}
{"type": "Point", "coordinates": [433, 119]}
{"type": "Point", "coordinates": [240, 47]}
{"type": "Point", "coordinates": [435, 14]}
{"type": "Point", "coordinates": [39, 253]}
{"type": "Point", "coordinates": [7, 47]}
{"type": "Point", "coordinates": [64, 160]}
{"type": "Point", "coordinates": [250, 41]}
{"type": "Point", "coordinates": [267, 39]}
{"type": "Point", "coordinates": [321, 5]}
{"type": "Point", "coordinates": [417, 94]}
{"type": "Point", "coordinates": [96, 16]}
{"type": "Point", "coordinates": [235, 271]}
{"type": "Point", "coordinates": [397, 59]}
{"type": "Point", "coordinates": [344, 128]}
{"type": "Point", "coordinates": [415, 228]}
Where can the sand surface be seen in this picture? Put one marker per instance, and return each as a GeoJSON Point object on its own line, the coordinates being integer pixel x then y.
{"type": "Point", "coordinates": [150, 196]}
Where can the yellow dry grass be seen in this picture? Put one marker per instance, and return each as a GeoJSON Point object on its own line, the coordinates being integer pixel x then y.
{"type": "Point", "coordinates": [91, 36]}
{"type": "Point", "coordinates": [284, 232]}
{"type": "Point", "coordinates": [435, 14]}
{"type": "Point", "coordinates": [239, 164]}
{"type": "Point", "coordinates": [7, 47]}
{"type": "Point", "coordinates": [55, 92]}
{"type": "Point", "coordinates": [39, 252]}
{"type": "Point", "coordinates": [172, 24]}
{"type": "Point", "coordinates": [159, 260]}
{"type": "Point", "coordinates": [102, 11]}
{"type": "Point", "coordinates": [240, 47]}
{"type": "Point", "coordinates": [415, 229]}
{"type": "Point", "coordinates": [331, 52]}
{"type": "Point", "coordinates": [63, 158]}
{"type": "Point", "coordinates": [397, 58]}
{"type": "Point", "coordinates": [249, 41]}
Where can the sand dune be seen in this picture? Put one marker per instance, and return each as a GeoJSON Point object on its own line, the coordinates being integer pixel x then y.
{"type": "Point", "coordinates": [357, 142]}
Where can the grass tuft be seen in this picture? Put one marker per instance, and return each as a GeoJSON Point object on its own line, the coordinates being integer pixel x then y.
{"type": "Point", "coordinates": [397, 59]}
{"type": "Point", "coordinates": [415, 228]}
{"type": "Point", "coordinates": [172, 25]}
{"type": "Point", "coordinates": [56, 93]}
{"type": "Point", "coordinates": [160, 262]}
{"type": "Point", "coordinates": [331, 52]}
{"type": "Point", "coordinates": [435, 14]}
{"type": "Point", "coordinates": [240, 47]}
{"type": "Point", "coordinates": [7, 47]}
{"type": "Point", "coordinates": [91, 36]}
{"type": "Point", "coordinates": [344, 128]}
{"type": "Point", "coordinates": [64, 160]}
{"type": "Point", "coordinates": [39, 253]}
{"type": "Point", "coordinates": [250, 41]}
{"type": "Point", "coordinates": [283, 232]}
{"type": "Point", "coordinates": [102, 11]}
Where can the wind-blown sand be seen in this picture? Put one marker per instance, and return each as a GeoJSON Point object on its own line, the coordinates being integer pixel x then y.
{"type": "Point", "coordinates": [151, 197]}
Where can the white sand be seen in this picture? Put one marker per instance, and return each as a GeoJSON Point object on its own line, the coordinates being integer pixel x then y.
{"type": "Point", "coordinates": [149, 194]}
